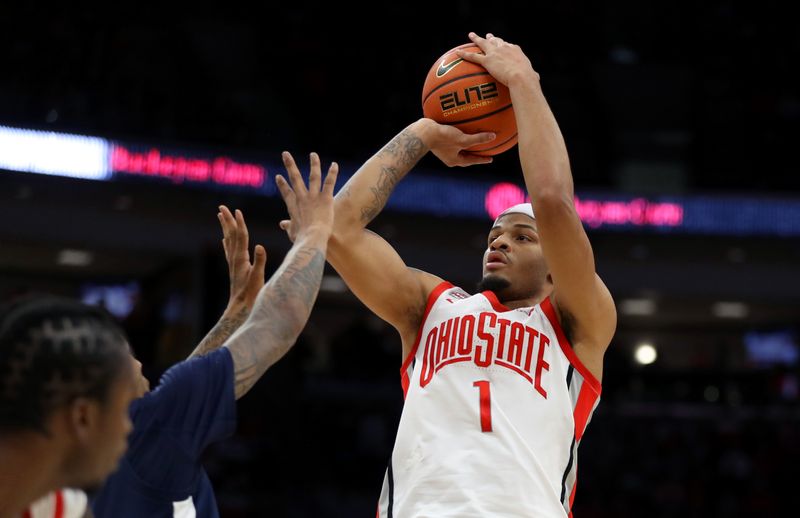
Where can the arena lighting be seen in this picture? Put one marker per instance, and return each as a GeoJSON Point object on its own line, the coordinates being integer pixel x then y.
{"type": "Point", "coordinates": [645, 354]}
{"type": "Point", "coordinates": [595, 213]}
{"type": "Point", "coordinates": [729, 309]}
{"type": "Point", "coordinates": [637, 307]}
{"type": "Point", "coordinates": [423, 192]}
{"type": "Point", "coordinates": [72, 257]}
{"type": "Point", "coordinates": [47, 152]}
{"type": "Point", "coordinates": [180, 168]}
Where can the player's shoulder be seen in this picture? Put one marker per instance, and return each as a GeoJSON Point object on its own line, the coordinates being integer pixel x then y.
{"type": "Point", "coordinates": [188, 376]}
{"type": "Point", "coordinates": [195, 366]}
{"type": "Point", "coordinates": [426, 281]}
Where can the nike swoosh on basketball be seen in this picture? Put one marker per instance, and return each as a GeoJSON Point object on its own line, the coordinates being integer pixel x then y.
{"type": "Point", "coordinates": [443, 69]}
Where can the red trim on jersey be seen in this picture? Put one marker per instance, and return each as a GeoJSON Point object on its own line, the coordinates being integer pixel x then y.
{"type": "Point", "coordinates": [59, 513]}
{"type": "Point", "coordinates": [26, 514]}
{"type": "Point", "coordinates": [438, 290]}
{"type": "Point", "coordinates": [494, 301]}
{"type": "Point", "coordinates": [566, 347]}
{"type": "Point", "coordinates": [583, 409]}
{"type": "Point", "coordinates": [572, 496]}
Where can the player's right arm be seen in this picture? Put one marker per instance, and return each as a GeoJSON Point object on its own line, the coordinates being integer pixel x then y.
{"type": "Point", "coordinates": [284, 304]}
{"type": "Point", "coordinates": [370, 266]}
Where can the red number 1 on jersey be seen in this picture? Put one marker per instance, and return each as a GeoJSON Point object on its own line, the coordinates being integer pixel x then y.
{"type": "Point", "coordinates": [486, 405]}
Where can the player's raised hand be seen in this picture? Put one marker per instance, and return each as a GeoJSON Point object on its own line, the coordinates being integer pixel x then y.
{"type": "Point", "coordinates": [505, 61]}
{"type": "Point", "coordinates": [310, 208]}
{"type": "Point", "coordinates": [246, 278]}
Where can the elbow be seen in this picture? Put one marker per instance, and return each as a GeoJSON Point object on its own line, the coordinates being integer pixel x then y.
{"type": "Point", "coordinates": [346, 218]}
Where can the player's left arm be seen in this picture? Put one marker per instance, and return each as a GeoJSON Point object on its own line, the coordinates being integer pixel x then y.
{"type": "Point", "coordinates": [582, 300]}
{"type": "Point", "coordinates": [246, 279]}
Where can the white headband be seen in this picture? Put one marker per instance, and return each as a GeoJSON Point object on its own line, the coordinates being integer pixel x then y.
{"type": "Point", "coordinates": [520, 208]}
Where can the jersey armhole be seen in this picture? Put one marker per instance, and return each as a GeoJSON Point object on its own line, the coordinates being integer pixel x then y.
{"type": "Point", "coordinates": [566, 347]}
{"type": "Point", "coordinates": [434, 295]}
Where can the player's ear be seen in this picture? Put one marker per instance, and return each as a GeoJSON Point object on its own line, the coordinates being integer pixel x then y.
{"type": "Point", "coordinates": [83, 416]}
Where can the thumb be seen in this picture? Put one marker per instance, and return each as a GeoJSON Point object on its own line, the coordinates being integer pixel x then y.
{"type": "Point", "coordinates": [479, 138]}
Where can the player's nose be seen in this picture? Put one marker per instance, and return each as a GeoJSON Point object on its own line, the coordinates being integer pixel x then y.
{"type": "Point", "coordinates": [499, 243]}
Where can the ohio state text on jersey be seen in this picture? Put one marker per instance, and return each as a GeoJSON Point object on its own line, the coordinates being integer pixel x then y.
{"type": "Point", "coordinates": [496, 404]}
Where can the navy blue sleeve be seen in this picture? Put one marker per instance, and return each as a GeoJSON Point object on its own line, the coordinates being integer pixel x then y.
{"type": "Point", "coordinates": [194, 404]}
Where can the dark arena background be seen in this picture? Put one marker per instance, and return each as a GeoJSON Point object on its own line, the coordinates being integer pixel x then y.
{"type": "Point", "coordinates": [682, 121]}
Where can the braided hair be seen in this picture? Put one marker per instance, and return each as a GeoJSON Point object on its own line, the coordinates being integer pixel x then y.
{"type": "Point", "coordinates": [53, 350]}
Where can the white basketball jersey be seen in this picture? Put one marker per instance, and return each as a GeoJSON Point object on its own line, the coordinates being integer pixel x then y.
{"type": "Point", "coordinates": [496, 403]}
{"type": "Point", "coordinates": [64, 503]}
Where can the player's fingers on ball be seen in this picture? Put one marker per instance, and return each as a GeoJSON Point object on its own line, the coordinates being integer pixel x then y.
{"type": "Point", "coordinates": [473, 36]}
{"type": "Point", "coordinates": [468, 159]}
{"type": "Point", "coordinates": [473, 57]}
{"type": "Point", "coordinates": [479, 138]}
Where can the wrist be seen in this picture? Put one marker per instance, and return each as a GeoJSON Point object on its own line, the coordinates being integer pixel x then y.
{"type": "Point", "coordinates": [525, 79]}
{"type": "Point", "coordinates": [235, 308]}
{"type": "Point", "coordinates": [318, 231]}
{"type": "Point", "coordinates": [425, 130]}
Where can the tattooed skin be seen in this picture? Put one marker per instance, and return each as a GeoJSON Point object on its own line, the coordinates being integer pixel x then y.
{"type": "Point", "coordinates": [279, 315]}
{"type": "Point", "coordinates": [220, 332]}
{"type": "Point", "coordinates": [397, 157]}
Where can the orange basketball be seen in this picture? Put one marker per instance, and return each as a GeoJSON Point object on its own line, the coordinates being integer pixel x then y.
{"type": "Point", "coordinates": [463, 94]}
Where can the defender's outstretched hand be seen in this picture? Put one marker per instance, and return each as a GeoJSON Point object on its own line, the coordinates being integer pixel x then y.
{"type": "Point", "coordinates": [246, 278]}
{"type": "Point", "coordinates": [310, 208]}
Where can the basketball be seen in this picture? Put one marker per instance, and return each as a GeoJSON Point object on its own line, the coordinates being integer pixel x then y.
{"type": "Point", "coordinates": [463, 94]}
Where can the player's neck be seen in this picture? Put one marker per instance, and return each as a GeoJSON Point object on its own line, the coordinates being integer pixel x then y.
{"type": "Point", "coordinates": [515, 301]}
{"type": "Point", "coordinates": [522, 303]}
{"type": "Point", "coordinates": [28, 472]}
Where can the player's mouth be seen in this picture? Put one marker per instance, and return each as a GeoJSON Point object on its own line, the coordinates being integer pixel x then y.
{"type": "Point", "coordinates": [496, 260]}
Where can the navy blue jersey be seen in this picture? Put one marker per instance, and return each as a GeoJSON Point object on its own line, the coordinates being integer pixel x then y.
{"type": "Point", "coordinates": [161, 475]}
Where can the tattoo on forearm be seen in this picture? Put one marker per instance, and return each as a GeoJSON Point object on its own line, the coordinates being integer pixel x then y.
{"type": "Point", "coordinates": [404, 151]}
{"type": "Point", "coordinates": [387, 181]}
{"type": "Point", "coordinates": [220, 332]}
{"type": "Point", "coordinates": [407, 146]}
{"type": "Point", "coordinates": [301, 278]}
{"type": "Point", "coordinates": [280, 313]}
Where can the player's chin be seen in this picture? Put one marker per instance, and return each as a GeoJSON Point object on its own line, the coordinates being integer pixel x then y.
{"type": "Point", "coordinates": [493, 281]}
{"type": "Point", "coordinates": [495, 275]}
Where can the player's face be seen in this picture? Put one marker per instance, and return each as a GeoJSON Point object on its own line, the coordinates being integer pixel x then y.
{"type": "Point", "coordinates": [142, 383]}
{"type": "Point", "coordinates": [104, 437]}
{"type": "Point", "coordinates": [513, 258]}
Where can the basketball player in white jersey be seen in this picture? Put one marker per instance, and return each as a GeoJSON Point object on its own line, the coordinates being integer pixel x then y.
{"type": "Point", "coordinates": [499, 385]}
